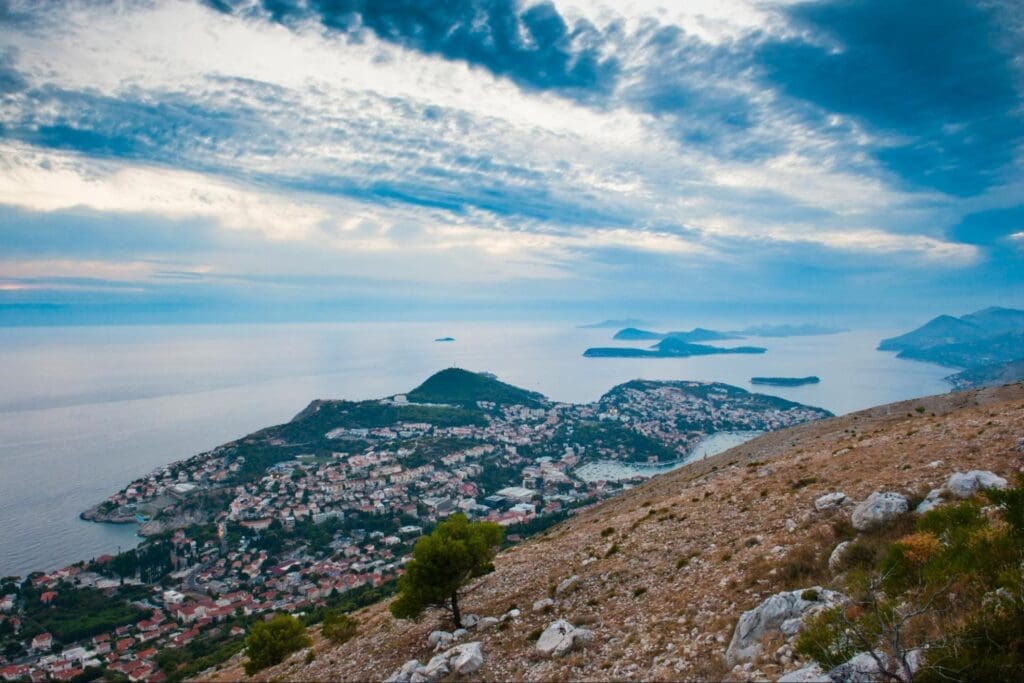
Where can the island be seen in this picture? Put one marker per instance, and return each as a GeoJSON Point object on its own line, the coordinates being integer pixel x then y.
{"type": "Point", "coordinates": [987, 337]}
{"type": "Point", "coordinates": [445, 339]}
{"type": "Point", "coordinates": [612, 324]}
{"type": "Point", "coordinates": [785, 381]}
{"type": "Point", "coordinates": [697, 334]}
{"type": "Point", "coordinates": [670, 347]}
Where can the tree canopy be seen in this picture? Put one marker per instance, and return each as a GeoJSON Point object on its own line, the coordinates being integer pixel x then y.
{"type": "Point", "coordinates": [269, 642]}
{"type": "Point", "coordinates": [455, 552]}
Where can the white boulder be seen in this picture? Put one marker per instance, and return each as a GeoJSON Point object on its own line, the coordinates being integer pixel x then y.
{"type": "Point", "coordinates": [861, 668]}
{"type": "Point", "coordinates": [812, 673]}
{"type": "Point", "coordinates": [405, 674]}
{"type": "Point", "coordinates": [439, 639]}
{"type": "Point", "coordinates": [470, 620]}
{"type": "Point", "coordinates": [487, 622]}
{"type": "Point", "coordinates": [567, 585]}
{"type": "Point", "coordinates": [836, 558]}
{"type": "Point", "coordinates": [829, 501]}
{"type": "Point", "coordinates": [560, 637]}
{"type": "Point", "coordinates": [461, 659]}
{"type": "Point", "coordinates": [541, 605]}
{"type": "Point", "coordinates": [773, 614]}
{"type": "Point", "coordinates": [966, 484]}
{"type": "Point", "coordinates": [466, 658]}
{"type": "Point", "coordinates": [930, 502]}
{"type": "Point", "coordinates": [878, 509]}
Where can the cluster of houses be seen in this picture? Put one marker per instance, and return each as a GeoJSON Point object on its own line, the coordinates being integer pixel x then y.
{"type": "Point", "coordinates": [213, 580]}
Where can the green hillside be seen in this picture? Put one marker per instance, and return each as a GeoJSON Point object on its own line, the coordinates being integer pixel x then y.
{"type": "Point", "coordinates": [456, 385]}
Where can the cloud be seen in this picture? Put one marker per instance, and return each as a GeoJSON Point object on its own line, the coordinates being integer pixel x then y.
{"type": "Point", "coordinates": [532, 45]}
{"type": "Point", "coordinates": [936, 85]}
{"type": "Point", "coordinates": [596, 150]}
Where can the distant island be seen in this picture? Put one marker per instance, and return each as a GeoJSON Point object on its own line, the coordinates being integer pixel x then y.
{"type": "Point", "coordinates": [612, 324]}
{"type": "Point", "coordinates": [445, 339]}
{"type": "Point", "coordinates": [703, 334]}
{"type": "Point", "coordinates": [697, 334]}
{"type": "Point", "coordinates": [988, 337]}
{"type": "Point", "coordinates": [672, 347]}
{"type": "Point", "coordinates": [785, 381]}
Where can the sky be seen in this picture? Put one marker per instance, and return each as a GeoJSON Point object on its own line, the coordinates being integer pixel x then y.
{"type": "Point", "coordinates": [274, 160]}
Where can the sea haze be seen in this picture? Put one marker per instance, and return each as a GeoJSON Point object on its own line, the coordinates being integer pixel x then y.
{"type": "Point", "coordinates": [84, 410]}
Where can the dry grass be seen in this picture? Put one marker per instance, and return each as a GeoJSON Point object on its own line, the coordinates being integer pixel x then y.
{"type": "Point", "coordinates": [668, 583]}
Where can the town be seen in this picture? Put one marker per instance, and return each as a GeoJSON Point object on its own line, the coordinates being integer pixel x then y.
{"type": "Point", "coordinates": [322, 512]}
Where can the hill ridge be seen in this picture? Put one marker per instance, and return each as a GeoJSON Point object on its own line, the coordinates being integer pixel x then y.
{"type": "Point", "coordinates": [664, 571]}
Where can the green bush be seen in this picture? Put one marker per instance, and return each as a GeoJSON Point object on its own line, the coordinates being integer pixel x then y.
{"type": "Point", "coordinates": [953, 585]}
{"type": "Point", "coordinates": [269, 642]}
{"type": "Point", "coordinates": [339, 628]}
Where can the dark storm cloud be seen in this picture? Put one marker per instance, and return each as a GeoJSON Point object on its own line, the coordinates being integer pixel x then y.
{"type": "Point", "coordinates": [937, 77]}
{"type": "Point", "coordinates": [533, 46]}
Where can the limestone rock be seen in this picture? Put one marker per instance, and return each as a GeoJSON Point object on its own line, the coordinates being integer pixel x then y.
{"type": "Point", "coordinates": [470, 620]}
{"type": "Point", "coordinates": [406, 672]}
{"type": "Point", "coordinates": [966, 484]}
{"type": "Point", "coordinates": [560, 637]}
{"type": "Point", "coordinates": [812, 673]}
{"type": "Point", "coordinates": [439, 639]}
{"type": "Point", "coordinates": [540, 605]}
{"type": "Point", "coordinates": [466, 658]}
{"type": "Point", "coordinates": [931, 501]}
{"type": "Point", "coordinates": [770, 615]}
{"type": "Point", "coordinates": [878, 509]}
{"type": "Point", "coordinates": [861, 668]}
{"type": "Point", "coordinates": [567, 585]}
{"type": "Point", "coordinates": [829, 501]}
{"type": "Point", "coordinates": [487, 622]}
{"type": "Point", "coordinates": [461, 659]}
{"type": "Point", "coordinates": [836, 558]}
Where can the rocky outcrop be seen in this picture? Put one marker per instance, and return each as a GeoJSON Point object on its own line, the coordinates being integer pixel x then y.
{"type": "Point", "coordinates": [932, 500]}
{"type": "Point", "coordinates": [966, 484]}
{"type": "Point", "coordinates": [459, 660]}
{"type": "Point", "coordinates": [782, 612]}
{"type": "Point", "coordinates": [878, 509]}
{"type": "Point", "coordinates": [829, 501]}
{"type": "Point", "coordinates": [541, 605]}
{"type": "Point", "coordinates": [567, 585]}
{"type": "Point", "coordinates": [812, 673]}
{"type": "Point", "coordinates": [560, 637]}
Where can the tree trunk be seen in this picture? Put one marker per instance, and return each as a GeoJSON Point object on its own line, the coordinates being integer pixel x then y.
{"type": "Point", "coordinates": [456, 615]}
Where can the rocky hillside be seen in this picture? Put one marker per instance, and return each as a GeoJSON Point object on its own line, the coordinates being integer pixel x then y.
{"type": "Point", "coordinates": [651, 584]}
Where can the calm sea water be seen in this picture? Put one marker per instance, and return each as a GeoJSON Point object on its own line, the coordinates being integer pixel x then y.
{"type": "Point", "coordinates": [83, 410]}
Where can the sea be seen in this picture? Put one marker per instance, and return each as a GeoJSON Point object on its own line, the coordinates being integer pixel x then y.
{"type": "Point", "coordinates": [84, 410]}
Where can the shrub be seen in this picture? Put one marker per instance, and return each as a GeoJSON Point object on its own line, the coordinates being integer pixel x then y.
{"type": "Point", "coordinates": [607, 531]}
{"type": "Point", "coordinates": [269, 642]}
{"type": "Point", "coordinates": [810, 595]}
{"type": "Point", "coordinates": [339, 628]}
{"type": "Point", "coordinates": [827, 638]}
